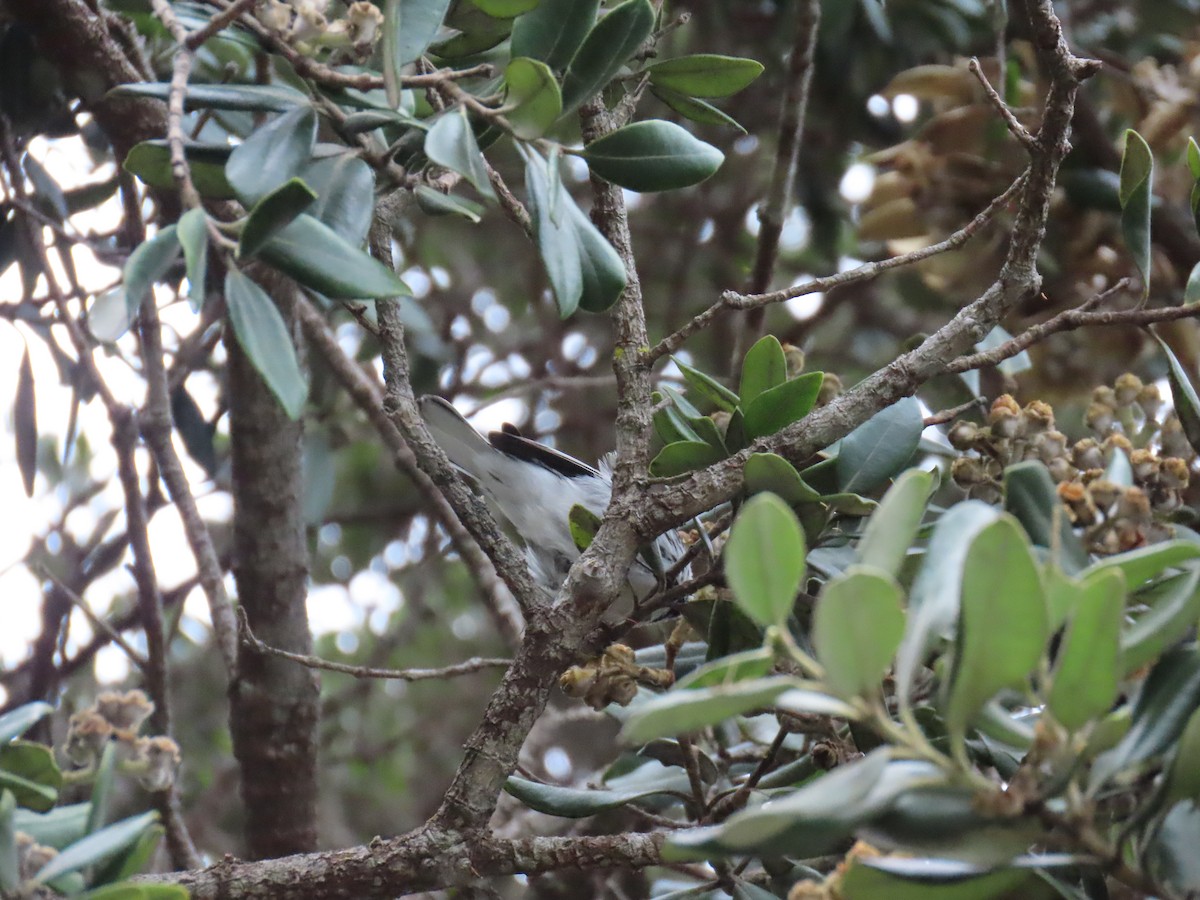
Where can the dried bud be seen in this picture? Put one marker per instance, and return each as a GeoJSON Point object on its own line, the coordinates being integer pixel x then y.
{"type": "Point", "coordinates": [1061, 469]}
{"type": "Point", "coordinates": [125, 712]}
{"type": "Point", "coordinates": [1127, 388]}
{"type": "Point", "coordinates": [1004, 417]}
{"type": "Point", "coordinates": [1036, 417]}
{"type": "Point", "coordinates": [1113, 443]}
{"type": "Point", "coordinates": [967, 471]}
{"type": "Point", "coordinates": [963, 434]}
{"type": "Point", "coordinates": [31, 856]}
{"type": "Point", "coordinates": [87, 733]}
{"type": "Point", "coordinates": [824, 755]}
{"type": "Point", "coordinates": [577, 680]}
{"type": "Point", "coordinates": [1078, 502]}
{"type": "Point", "coordinates": [309, 25]}
{"type": "Point", "coordinates": [364, 21]}
{"type": "Point", "coordinates": [1174, 473]}
{"type": "Point", "coordinates": [1104, 394]}
{"type": "Point", "coordinates": [721, 420]}
{"type": "Point", "coordinates": [158, 759]}
{"type": "Point", "coordinates": [621, 691]}
{"type": "Point", "coordinates": [1133, 506]}
{"type": "Point", "coordinates": [1145, 465]}
{"type": "Point", "coordinates": [1104, 494]}
{"type": "Point", "coordinates": [275, 15]}
{"type": "Point", "coordinates": [831, 389]}
{"type": "Point", "coordinates": [1086, 454]}
{"type": "Point", "coordinates": [1149, 400]}
{"type": "Point", "coordinates": [1099, 417]}
{"type": "Point", "coordinates": [1050, 445]}
{"type": "Point", "coordinates": [794, 357]}
{"type": "Point", "coordinates": [1174, 441]}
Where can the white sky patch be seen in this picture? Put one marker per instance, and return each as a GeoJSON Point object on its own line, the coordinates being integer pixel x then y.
{"type": "Point", "coordinates": [878, 106]}
{"type": "Point", "coordinates": [491, 417]}
{"type": "Point", "coordinates": [557, 763]}
{"type": "Point", "coordinates": [857, 182]}
{"type": "Point", "coordinates": [905, 107]}
{"type": "Point", "coordinates": [806, 306]}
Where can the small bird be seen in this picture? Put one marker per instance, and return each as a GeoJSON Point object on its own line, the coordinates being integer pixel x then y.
{"type": "Point", "coordinates": [534, 487]}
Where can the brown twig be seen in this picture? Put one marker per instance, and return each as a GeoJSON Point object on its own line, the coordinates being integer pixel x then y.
{"type": "Point", "coordinates": [949, 415]}
{"type": "Point", "coordinates": [1019, 131]}
{"type": "Point", "coordinates": [98, 622]}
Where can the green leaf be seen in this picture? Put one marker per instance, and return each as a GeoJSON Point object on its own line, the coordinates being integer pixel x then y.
{"type": "Point", "coordinates": [864, 879]}
{"type": "Point", "coordinates": [96, 847]}
{"type": "Point", "coordinates": [1135, 192]}
{"type": "Point", "coordinates": [264, 337]}
{"type": "Point", "coordinates": [1030, 495]}
{"type": "Point", "coordinates": [57, 828]}
{"type": "Point", "coordinates": [880, 447]}
{"type": "Point", "coordinates": [505, 9]}
{"type": "Point", "coordinates": [1187, 404]}
{"type": "Point", "coordinates": [771, 472]}
{"type": "Point", "coordinates": [192, 231]}
{"type": "Point", "coordinates": [1144, 563]}
{"type": "Point", "coordinates": [893, 527]}
{"type": "Point", "coordinates": [1168, 698]}
{"type": "Point", "coordinates": [319, 258]}
{"type": "Point", "coordinates": [10, 868]}
{"type": "Point", "coordinates": [653, 155]}
{"type": "Point", "coordinates": [764, 559]}
{"type": "Point", "coordinates": [342, 183]}
{"type": "Point", "coordinates": [996, 652]}
{"type": "Point", "coordinates": [683, 456]}
{"type": "Point", "coordinates": [584, 524]}
{"type": "Point", "coordinates": [705, 74]}
{"type": "Point", "coordinates": [151, 162]}
{"type": "Point", "coordinates": [600, 265]}
{"type": "Point", "coordinates": [696, 110]}
{"type": "Point", "coordinates": [575, 803]}
{"type": "Point", "coordinates": [149, 262]}
{"type": "Point", "coordinates": [1183, 777]}
{"type": "Point", "coordinates": [1086, 678]}
{"type": "Point", "coordinates": [1193, 158]}
{"type": "Point", "coordinates": [857, 626]}
{"type": "Point", "coordinates": [451, 143]}
{"type": "Point", "coordinates": [25, 423]}
{"type": "Point", "coordinates": [708, 387]}
{"type": "Point", "coordinates": [934, 599]}
{"type": "Point", "coordinates": [1191, 291]}
{"type": "Point", "coordinates": [607, 47]}
{"type": "Point", "coordinates": [133, 860]}
{"type": "Point", "coordinates": [138, 892]}
{"type": "Point", "coordinates": [248, 97]}
{"type": "Point", "coordinates": [1171, 856]}
{"type": "Point", "coordinates": [272, 214]}
{"type": "Point", "coordinates": [785, 404]}
{"type": "Point", "coordinates": [30, 772]}
{"type": "Point", "coordinates": [272, 155]}
{"type": "Point", "coordinates": [671, 425]}
{"type": "Point", "coordinates": [1174, 608]}
{"type": "Point", "coordinates": [554, 31]}
{"type": "Point", "coordinates": [728, 669]}
{"type": "Point", "coordinates": [764, 367]}
{"type": "Point", "coordinates": [707, 429]}
{"type": "Point", "coordinates": [534, 95]}
{"type": "Point", "coordinates": [680, 712]}
{"type": "Point", "coordinates": [49, 196]}
{"type": "Point", "coordinates": [435, 203]}
{"type": "Point", "coordinates": [417, 23]}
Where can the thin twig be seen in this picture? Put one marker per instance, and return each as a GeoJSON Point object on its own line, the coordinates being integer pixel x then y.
{"type": "Point", "coordinates": [949, 415]}
{"type": "Point", "coordinates": [1019, 131]}
{"type": "Point", "coordinates": [99, 623]}
{"type": "Point", "coordinates": [475, 664]}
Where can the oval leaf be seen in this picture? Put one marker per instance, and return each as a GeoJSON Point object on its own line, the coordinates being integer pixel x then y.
{"type": "Point", "coordinates": [148, 263]}
{"type": "Point", "coordinates": [680, 712]}
{"type": "Point", "coordinates": [451, 143]}
{"type": "Point", "coordinates": [610, 43]}
{"type": "Point", "coordinates": [248, 97]}
{"type": "Point", "coordinates": [151, 162]}
{"type": "Point", "coordinates": [879, 448]}
{"type": "Point", "coordinates": [763, 368]}
{"type": "Point", "coordinates": [264, 337]}
{"type": "Point", "coordinates": [534, 95]}
{"type": "Point", "coordinates": [554, 31]}
{"type": "Point", "coordinates": [573, 803]}
{"type": "Point", "coordinates": [319, 258]}
{"type": "Point", "coordinates": [272, 155]}
{"type": "Point", "coordinates": [1136, 187]}
{"type": "Point", "coordinates": [778, 407]}
{"type": "Point", "coordinates": [893, 526]}
{"type": "Point", "coordinates": [683, 456]}
{"type": "Point", "coordinates": [857, 626]}
{"type": "Point", "coordinates": [654, 155]}
{"type": "Point", "coordinates": [705, 74]}
{"type": "Point", "coordinates": [771, 472]}
{"type": "Point", "coordinates": [25, 424]}
{"type": "Point", "coordinates": [192, 230]}
{"type": "Point", "coordinates": [96, 847]}
{"type": "Point", "coordinates": [272, 214]}
{"type": "Point", "coordinates": [764, 559]}
{"type": "Point", "coordinates": [1087, 676]}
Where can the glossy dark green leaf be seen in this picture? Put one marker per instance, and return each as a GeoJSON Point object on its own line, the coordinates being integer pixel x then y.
{"type": "Point", "coordinates": [771, 472]}
{"type": "Point", "coordinates": [1029, 494]}
{"type": "Point", "coordinates": [996, 652]}
{"type": "Point", "coordinates": [653, 155]}
{"type": "Point", "coordinates": [554, 31]}
{"type": "Point", "coordinates": [893, 527]}
{"type": "Point", "coordinates": [25, 424]}
{"type": "Point", "coordinates": [30, 772]}
{"type": "Point", "coordinates": [705, 74]}
{"type": "Point", "coordinates": [671, 425]}
{"type": "Point", "coordinates": [149, 262]}
{"type": "Point", "coordinates": [319, 258]}
{"type": "Point", "coordinates": [151, 162]}
{"type": "Point", "coordinates": [857, 626]}
{"type": "Point", "coordinates": [197, 434]}
{"type": "Point", "coordinates": [681, 712]}
{"type": "Point", "coordinates": [1168, 698]}
{"type": "Point", "coordinates": [1088, 669]}
{"type": "Point", "coordinates": [696, 110]}
{"type": "Point", "coordinates": [272, 214]}
{"type": "Point", "coordinates": [881, 447]}
{"type": "Point", "coordinates": [763, 368]}
{"type": "Point", "coordinates": [192, 231]}
{"type": "Point", "coordinates": [683, 456]}
{"type": "Point", "coordinates": [764, 559]}
{"type": "Point", "coordinates": [345, 186]}
{"type": "Point", "coordinates": [435, 203]}
{"type": "Point", "coordinates": [1174, 609]}
{"type": "Point", "coordinates": [17, 721]}
{"type": "Point", "coordinates": [1187, 404]}
{"type": "Point", "coordinates": [708, 387]}
{"type": "Point", "coordinates": [264, 337]}
{"type": "Point", "coordinates": [776, 408]}
{"type": "Point", "coordinates": [272, 155]}
{"type": "Point", "coordinates": [96, 847]}
{"type": "Point", "coordinates": [607, 47]}
{"type": "Point", "coordinates": [600, 265]}
{"type": "Point", "coordinates": [451, 143]}
{"type": "Point", "coordinates": [10, 868]}
{"type": "Point", "coordinates": [505, 9]}
{"type": "Point", "coordinates": [417, 24]}
{"type": "Point", "coordinates": [933, 602]}
{"type": "Point", "coordinates": [370, 119]}
{"type": "Point", "coordinates": [1136, 188]}
{"type": "Point", "coordinates": [573, 803]}
{"type": "Point", "coordinates": [248, 97]}
{"type": "Point", "coordinates": [534, 98]}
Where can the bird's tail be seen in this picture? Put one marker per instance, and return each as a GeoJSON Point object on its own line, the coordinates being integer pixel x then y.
{"type": "Point", "coordinates": [465, 446]}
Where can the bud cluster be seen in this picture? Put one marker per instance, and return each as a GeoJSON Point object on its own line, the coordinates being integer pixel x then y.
{"type": "Point", "coordinates": [1113, 517]}
{"type": "Point", "coordinates": [305, 25]}
{"type": "Point", "coordinates": [154, 760]}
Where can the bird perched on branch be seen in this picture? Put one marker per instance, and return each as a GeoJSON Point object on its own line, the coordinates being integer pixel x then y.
{"type": "Point", "coordinates": [535, 488]}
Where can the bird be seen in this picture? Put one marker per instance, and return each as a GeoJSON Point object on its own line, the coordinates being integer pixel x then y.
{"type": "Point", "coordinates": [534, 487]}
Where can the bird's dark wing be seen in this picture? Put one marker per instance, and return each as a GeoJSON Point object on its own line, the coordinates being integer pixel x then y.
{"type": "Point", "coordinates": [523, 448]}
